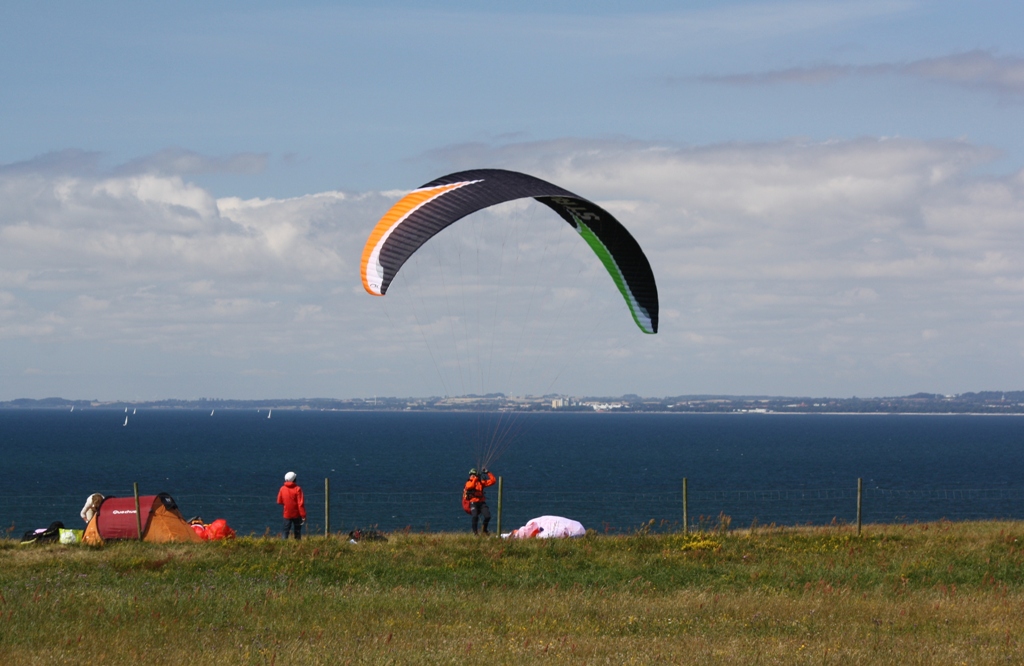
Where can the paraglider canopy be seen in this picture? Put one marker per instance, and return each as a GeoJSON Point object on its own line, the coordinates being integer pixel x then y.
{"type": "Point", "coordinates": [549, 527]}
{"type": "Point", "coordinates": [424, 212]}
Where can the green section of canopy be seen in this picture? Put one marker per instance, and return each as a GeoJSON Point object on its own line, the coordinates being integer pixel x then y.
{"type": "Point", "coordinates": [639, 315]}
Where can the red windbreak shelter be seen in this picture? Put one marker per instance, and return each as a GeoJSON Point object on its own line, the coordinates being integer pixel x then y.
{"type": "Point", "coordinates": [116, 517]}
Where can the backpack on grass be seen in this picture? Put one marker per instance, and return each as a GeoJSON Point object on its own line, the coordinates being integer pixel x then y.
{"type": "Point", "coordinates": [49, 534]}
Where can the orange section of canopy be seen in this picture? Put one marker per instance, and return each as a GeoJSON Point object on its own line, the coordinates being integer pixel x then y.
{"type": "Point", "coordinates": [405, 205]}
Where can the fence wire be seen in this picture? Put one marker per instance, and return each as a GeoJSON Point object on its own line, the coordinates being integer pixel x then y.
{"type": "Point", "coordinates": [603, 511]}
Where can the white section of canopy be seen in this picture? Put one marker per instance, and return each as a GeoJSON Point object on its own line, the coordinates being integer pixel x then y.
{"type": "Point", "coordinates": [549, 527]}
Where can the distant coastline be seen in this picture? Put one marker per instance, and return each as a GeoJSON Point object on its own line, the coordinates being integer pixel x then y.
{"type": "Point", "coordinates": [979, 403]}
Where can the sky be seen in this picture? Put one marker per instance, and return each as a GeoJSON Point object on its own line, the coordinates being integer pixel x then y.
{"type": "Point", "coordinates": [830, 194]}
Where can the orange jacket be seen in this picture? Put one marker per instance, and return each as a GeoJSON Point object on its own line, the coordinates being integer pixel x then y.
{"type": "Point", "coordinates": [474, 490]}
{"type": "Point", "coordinates": [291, 497]}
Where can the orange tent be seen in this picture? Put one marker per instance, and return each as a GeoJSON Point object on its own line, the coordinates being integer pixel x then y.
{"type": "Point", "coordinates": [161, 521]}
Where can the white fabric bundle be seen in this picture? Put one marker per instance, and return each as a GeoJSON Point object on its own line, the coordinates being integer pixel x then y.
{"type": "Point", "coordinates": [549, 527]}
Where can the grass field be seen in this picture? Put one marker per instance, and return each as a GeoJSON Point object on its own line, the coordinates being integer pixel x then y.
{"type": "Point", "coordinates": [936, 593]}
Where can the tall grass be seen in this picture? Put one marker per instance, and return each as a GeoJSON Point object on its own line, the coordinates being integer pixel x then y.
{"type": "Point", "coordinates": [929, 593]}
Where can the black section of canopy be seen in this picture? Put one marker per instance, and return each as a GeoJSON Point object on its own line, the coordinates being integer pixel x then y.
{"type": "Point", "coordinates": [498, 186]}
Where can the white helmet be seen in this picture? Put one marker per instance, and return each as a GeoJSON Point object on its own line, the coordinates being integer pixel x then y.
{"type": "Point", "coordinates": [290, 476]}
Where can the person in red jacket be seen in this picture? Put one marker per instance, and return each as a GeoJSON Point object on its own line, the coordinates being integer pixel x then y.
{"type": "Point", "coordinates": [474, 495]}
{"type": "Point", "coordinates": [290, 497]}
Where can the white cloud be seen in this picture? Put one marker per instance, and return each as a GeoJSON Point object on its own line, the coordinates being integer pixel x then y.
{"type": "Point", "coordinates": [179, 162]}
{"type": "Point", "coordinates": [627, 30]}
{"type": "Point", "coordinates": [981, 70]}
{"type": "Point", "coordinates": [975, 69]}
{"type": "Point", "coordinates": [798, 75]}
{"type": "Point", "coordinates": [754, 242]}
{"type": "Point", "coordinates": [153, 261]}
{"type": "Point", "coordinates": [870, 266]}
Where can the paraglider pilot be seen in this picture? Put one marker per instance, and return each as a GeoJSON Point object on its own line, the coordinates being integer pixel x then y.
{"type": "Point", "coordinates": [473, 495]}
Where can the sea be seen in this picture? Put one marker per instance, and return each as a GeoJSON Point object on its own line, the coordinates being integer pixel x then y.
{"type": "Point", "coordinates": [614, 472]}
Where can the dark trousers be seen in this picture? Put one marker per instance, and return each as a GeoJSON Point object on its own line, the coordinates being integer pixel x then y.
{"type": "Point", "coordinates": [477, 510]}
{"type": "Point", "coordinates": [293, 524]}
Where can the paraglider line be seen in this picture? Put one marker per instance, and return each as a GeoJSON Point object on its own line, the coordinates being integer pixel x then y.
{"type": "Point", "coordinates": [451, 324]}
{"type": "Point", "coordinates": [423, 336]}
{"type": "Point", "coordinates": [560, 306]}
{"type": "Point", "coordinates": [419, 371]}
{"type": "Point", "coordinates": [529, 312]}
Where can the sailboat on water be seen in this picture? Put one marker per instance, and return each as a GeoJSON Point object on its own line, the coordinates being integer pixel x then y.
{"type": "Point", "coordinates": [125, 420]}
{"type": "Point", "coordinates": [269, 412]}
{"type": "Point", "coordinates": [72, 408]}
{"type": "Point", "coordinates": [211, 412]}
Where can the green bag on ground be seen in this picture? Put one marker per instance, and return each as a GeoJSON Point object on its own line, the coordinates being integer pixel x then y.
{"type": "Point", "coordinates": [71, 536]}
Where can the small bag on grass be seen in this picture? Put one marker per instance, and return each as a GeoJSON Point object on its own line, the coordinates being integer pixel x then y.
{"type": "Point", "coordinates": [71, 537]}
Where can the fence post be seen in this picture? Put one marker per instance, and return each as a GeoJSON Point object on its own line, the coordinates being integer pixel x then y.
{"type": "Point", "coordinates": [686, 499]}
{"type": "Point", "coordinates": [138, 514]}
{"type": "Point", "coordinates": [860, 495]}
{"type": "Point", "coordinates": [499, 506]}
{"type": "Point", "coordinates": [327, 507]}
